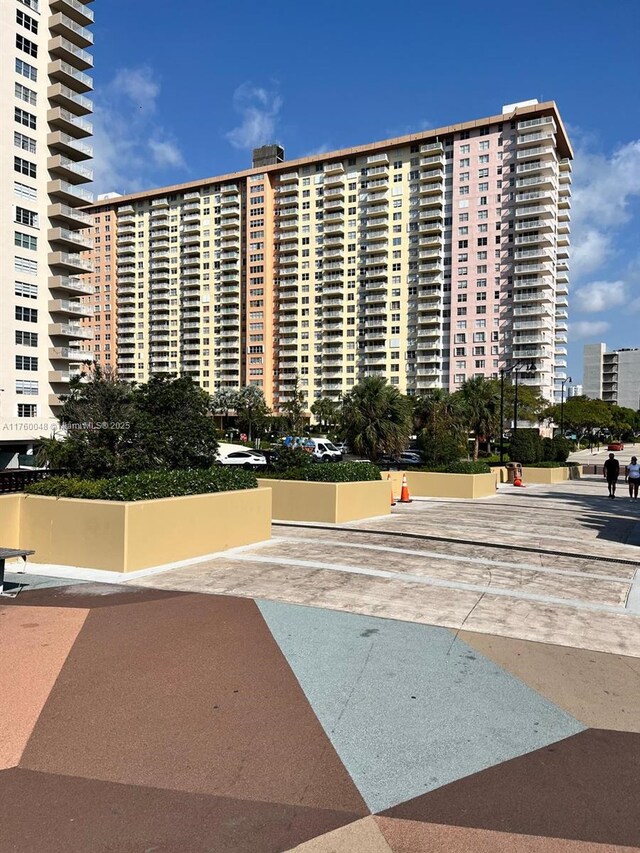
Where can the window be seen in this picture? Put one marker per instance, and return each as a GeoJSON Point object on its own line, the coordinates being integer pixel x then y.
{"type": "Point", "coordinates": [27, 46]}
{"type": "Point", "coordinates": [27, 22]}
{"type": "Point", "coordinates": [26, 143]}
{"type": "Point", "coordinates": [25, 94]}
{"type": "Point", "coordinates": [25, 118]}
{"type": "Point", "coordinates": [23, 288]}
{"type": "Point", "coordinates": [26, 362]}
{"type": "Point", "coordinates": [27, 339]}
{"type": "Point", "coordinates": [27, 315]}
{"type": "Point", "coordinates": [23, 68]}
{"type": "Point", "coordinates": [484, 146]}
{"type": "Point", "coordinates": [26, 386]}
{"type": "Point", "coordinates": [27, 410]}
{"type": "Point", "coordinates": [25, 265]}
{"type": "Point", "coordinates": [482, 241]}
{"type": "Point", "coordinates": [26, 217]}
{"type": "Point", "coordinates": [25, 167]}
{"type": "Point", "coordinates": [25, 241]}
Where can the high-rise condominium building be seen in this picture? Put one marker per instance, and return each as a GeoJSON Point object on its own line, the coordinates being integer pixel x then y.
{"type": "Point", "coordinates": [426, 259]}
{"type": "Point", "coordinates": [612, 376]}
{"type": "Point", "coordinates": [43, 149]}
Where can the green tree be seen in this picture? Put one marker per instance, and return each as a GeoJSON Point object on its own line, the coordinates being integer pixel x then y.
{"type": "Point", "coordinates": [326, 412]}
{"type": "Point", "coordinates": [172, 425]}
{"type": "Point", "coordinates": [110, 428]}
{"type": "Point", "coordinates": [294, 408]}
{"type": "Point", "coordinates": [223, 401]}
{"type": "Point", "coordinates": [376, 419]}
{"type": "Point", "coordinates": [441, 432]}
{"type": "Point", "coordinates": [95, 437]}
{"type": "Point", "coordinates": [582, 415]}
{"type": "Point", "coordinates": [480, 407]}
{"type": "Point", "coordinates": [252, 413]}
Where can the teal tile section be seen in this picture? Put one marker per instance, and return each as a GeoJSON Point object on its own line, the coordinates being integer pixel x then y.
{"type": "Point", "coordinates": [406, 708]}
{"type": "Point", "coordinates": [26, 581]}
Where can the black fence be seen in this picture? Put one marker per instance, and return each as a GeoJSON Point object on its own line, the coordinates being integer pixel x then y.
{"type": "Point", "coordinates": [15, 479]}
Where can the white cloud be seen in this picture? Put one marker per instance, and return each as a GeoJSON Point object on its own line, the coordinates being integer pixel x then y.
{"type": "Point", "coordinates": [598, 296]}
{"type": "Point", "coordinates": [129, 143]}
{"type": "Point", "coordinates": [259, 109]}
{"type": "Point", "coordinates": [138, 85]}
{"type": "Point", "coordinates": [166, 153]}
{"type": "Point", "coordinates": [587, 329]}
{"type": "Point", "coordinates": [604, 188]}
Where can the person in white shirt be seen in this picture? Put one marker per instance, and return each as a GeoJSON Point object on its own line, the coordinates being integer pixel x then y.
{"type": "Point", "coordinates": [632, 473]}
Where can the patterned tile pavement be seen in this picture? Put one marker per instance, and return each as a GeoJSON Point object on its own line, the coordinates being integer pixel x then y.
{"type": "Point", "coordinates": [346, 711]}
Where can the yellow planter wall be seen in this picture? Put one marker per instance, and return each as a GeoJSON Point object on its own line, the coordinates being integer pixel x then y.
{"type": "Point", "coordinates": [10, 521]}
{"type": "Point", "coordinates": [332, 503]}
{"type": "Point", "coordinates": [423, 484]}
{"type": "Point", "coordinates": [544, 476]}
{"type": "Point", "coordinates": [128, 536]}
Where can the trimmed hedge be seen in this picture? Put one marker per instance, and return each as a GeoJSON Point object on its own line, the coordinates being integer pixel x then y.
{"type": "Point", "coordinates": [335, 472]}
{"type": "Point", "coordinates": [457, 468]}
{"type": "Point", "coordinates": [147, 486]}
{"type": "Point", "coordinates": [546, 464]}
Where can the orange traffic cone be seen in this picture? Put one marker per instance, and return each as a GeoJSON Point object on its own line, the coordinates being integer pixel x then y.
{"type": "Point", "coordinates": [404, 493]}
{"type": "Point", "coordinates": [393, 503]}
{"type": "Point", "coordinates": [517, 481]}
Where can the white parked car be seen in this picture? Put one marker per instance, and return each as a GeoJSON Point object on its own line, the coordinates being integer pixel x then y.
{"type": "Point", "coordinates": [230, 454]}
{"type": "Point", "coordinates": [343, 447]}
{"type": "Point", "coordinates": [323, 450]}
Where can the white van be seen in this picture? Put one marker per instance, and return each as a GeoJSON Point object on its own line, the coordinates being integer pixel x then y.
{"type": "Point", "coordinates": [323, 450]}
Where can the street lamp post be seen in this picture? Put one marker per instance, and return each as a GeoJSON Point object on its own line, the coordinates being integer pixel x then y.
{"type": "Point", "coordinates": [562, 384]}
{"type": "Point", "coordinates": [503, 372]}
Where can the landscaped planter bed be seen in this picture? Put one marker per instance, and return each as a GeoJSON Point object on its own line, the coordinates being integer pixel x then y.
{"type": "Point", "coordinates": [126, 536]}
{"type": "Point", "coordinates": [545, 476]}
{"type": "Point", "coordinates": [432, 484]}
{"type": "Point", "coordinates": [333, 503]}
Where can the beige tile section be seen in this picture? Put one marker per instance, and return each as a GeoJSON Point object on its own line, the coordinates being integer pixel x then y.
{"type": "Point", "coordinates": [407, 836]}
{"type": "Point", "coordinates": [483, 574]}
{"type": "Point", "coordinates": [410, 602]}
{"type": "Point", "coordinates": [363, 836]}
{"type": "Point", "coordinates": [35, 642]}
{"type": "Point", "coordinates": [563, 626]}
{"type": "Point", "coordinates": [600, 690]}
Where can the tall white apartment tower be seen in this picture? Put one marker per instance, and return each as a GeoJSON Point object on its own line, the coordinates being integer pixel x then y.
{"type": "Point", "coordinates": [44, 106]}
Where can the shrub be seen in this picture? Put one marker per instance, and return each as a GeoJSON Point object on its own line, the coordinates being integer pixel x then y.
{"type": "Point", "coordinates": [458, 468]}
{"type": "Point", "coordinates": [562, 448]}
{"type": "Point", "coordinates": [526, 446]}
{"type": "Point", "coordinates": [335, 472]}
{"type": "Point", "coordinates": [148, 485]}
{"type": "Point", "coordinates": [291, 457]}
{"type": "Point", "coordinates": [439, 447]}
{"type": "Point", "coordinates": [547, 464]}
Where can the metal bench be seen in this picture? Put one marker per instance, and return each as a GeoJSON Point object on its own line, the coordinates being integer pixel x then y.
{"type": "Point", "coordinates": [7, 554]}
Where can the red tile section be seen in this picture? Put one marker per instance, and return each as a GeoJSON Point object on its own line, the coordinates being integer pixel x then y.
{"type": "Point", "coordinates": [44, 813]}
{"type": "Point", "coordinates": [583, 788]}
{"type": "Point", "coordinates": [189, 693]}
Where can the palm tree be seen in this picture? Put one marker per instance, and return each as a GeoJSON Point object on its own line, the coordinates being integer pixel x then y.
{"type": "Point", "coordinates": [325, 411]}
{"type": "Point", "coordinates": [376, 419]}
{"type": "Point", "coordinates": [480, 402]}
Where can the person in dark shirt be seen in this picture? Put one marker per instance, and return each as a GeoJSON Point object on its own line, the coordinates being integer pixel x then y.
{"type": "Point", "coordinates": [611, 473]}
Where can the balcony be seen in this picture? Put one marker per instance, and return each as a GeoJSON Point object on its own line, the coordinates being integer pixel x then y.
{"type": "Point", "coordinates": [538, 139]}
{"type": "Point", "coordinates": [68, 330]}
{"type": "Point", "coordinates": [69, 215]}
{"type": "Point", "coordinates": [70, 284]}
{"type": "Point", "coordinates": [69, 354]}
{"type": "Point", "coordinates": [69, 145]}
{"type": "Point", "coordinates": [65, 49]}
{"type": "Point", "coordinates": [62, 25]}
{"type": "Point", "coordinates": [536, 124]}
{"type": "Point", "coordinates": [74, 9]}
{"type": "Point", "coordinates": [72, 240]}
{"type": "Point", "coordinates": [72, 308]}
{"type": "Point", "coordinates": [538, 180]}
{"type": "Point", "coordinates": [62, 119]}
{"type": "Point", "coordinates": [72, 262]}
{"type": "Point", "coordinates": [64, 167]}
{"type": "Point", "coordinates": [63, 72]}
{"type": "Point", "coordinates": [66, 97]}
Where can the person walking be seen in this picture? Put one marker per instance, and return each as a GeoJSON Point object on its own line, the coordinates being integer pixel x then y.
{"type": "Point", "coordinates": [611, 472]}
{"type": "Point", "coordinates": [632, 473]}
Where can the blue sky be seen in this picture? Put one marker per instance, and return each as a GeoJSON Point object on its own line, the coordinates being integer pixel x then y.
{"type": "Point", "coordinates": [186, 91]}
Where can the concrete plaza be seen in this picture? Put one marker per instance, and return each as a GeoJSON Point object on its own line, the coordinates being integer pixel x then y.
{"type": "Point", "coordinates": [459, 676]}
